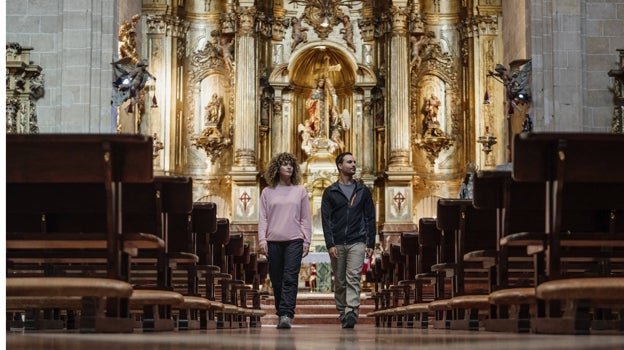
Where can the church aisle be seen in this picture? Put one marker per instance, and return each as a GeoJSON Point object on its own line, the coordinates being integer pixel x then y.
{"type": "Point", "coordinates": [323, 337]}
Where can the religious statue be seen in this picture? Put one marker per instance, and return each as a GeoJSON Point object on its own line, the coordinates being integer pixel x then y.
{"type": "Point", "coordinates": [517, 82]}
{"type": "Point", "coordinates": [416, 46]}
{"type": "Point", "coordinates": [319, 105]}
{"type": "Point", "coordinates": [214, 111]}
{"type": "Point", "coordinates": [129, 79]}
{"type": "Point", "coordinates": [466, 188]}
{"type": "Point", "coordinates": [339, 124]}
{"type": "Point", "coordinates": [127, 36]}
{"type": "Point", "coordinates": [347, 32]}
{"type": "Point", "coordinates": [299, 33]}
{"type": "Point", "coordinates": [214, 139]}
{"type": "Point", "coordinates": [431, 124]}
{"type": "Point", "coordinates": [306, 132]}
{"type": "Point", "coordinates": [324, 125]}
{"type": "Point", "coordinates": [226, 46]}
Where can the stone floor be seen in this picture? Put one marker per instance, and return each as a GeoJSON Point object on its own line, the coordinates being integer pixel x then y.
{"type": "Point", "coordinates": [317, 337]}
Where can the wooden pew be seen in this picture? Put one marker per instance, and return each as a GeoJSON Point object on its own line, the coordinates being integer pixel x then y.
{"type": "Point", "coordinates": [159, 208]}
{"type": "Point", "coordinates": [165, 208]}
{"type": "Point", "coordinates": [570, 164]}
{"type": "Point", "coordinates": [429, 286]}
{"type": "Point", "coordinates": [519, 207]}
{"type": "Point", "coordinates": [204, 222]}
{"type": "Point", "coordinates": [101, 163]}
{"type": "Point", "coordinates": [473, 229]}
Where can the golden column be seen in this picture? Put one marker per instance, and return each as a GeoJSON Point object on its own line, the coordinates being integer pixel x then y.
{"type": "Point", "coordinates": [245, 190]}
{"type": "Point", "coordinates": [399, 138]}
{"type": "Point", "coordinates": [165, 32]}
{"type": "Point", "coordinates": [399, 173]}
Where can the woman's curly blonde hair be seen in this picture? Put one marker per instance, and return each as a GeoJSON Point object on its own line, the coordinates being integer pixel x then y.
{"type": "Point", "coordinates": [272, 174]}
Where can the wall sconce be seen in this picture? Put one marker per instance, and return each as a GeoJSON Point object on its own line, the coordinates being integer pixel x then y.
{"type": "Point", "coordinates": [433, 145]}
{"type": "Point", "coordinates": [487, 141]}
{"type": "Point", "coordinates": [486, 98]}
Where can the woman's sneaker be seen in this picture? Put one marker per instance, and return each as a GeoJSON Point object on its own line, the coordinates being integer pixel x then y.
{"type": "Point", "coordinates": [284, 322]}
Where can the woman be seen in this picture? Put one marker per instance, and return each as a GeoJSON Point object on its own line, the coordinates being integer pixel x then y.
{"type": "Point", "coordinates": [284, 232]}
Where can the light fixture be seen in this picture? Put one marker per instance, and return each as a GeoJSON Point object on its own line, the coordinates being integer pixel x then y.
{"type": "Point", "coordinates": [486, 98]}
{"type": "Point", "coordinates": [325, 22]}
{"type": "Point", "coordinates": [487, 141]}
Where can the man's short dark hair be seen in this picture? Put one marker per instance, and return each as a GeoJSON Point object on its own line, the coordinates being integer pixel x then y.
{"type": "Point", "coordinates": [341, 156]}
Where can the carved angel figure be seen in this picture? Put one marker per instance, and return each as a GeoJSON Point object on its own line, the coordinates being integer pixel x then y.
{"type": "Point", "coordinates": [129, 79]}
{"type": "Point", "coordinates": [416, 46]}
{"type": "Point", "coordinates": [347, 32]}
{"type": "Point", "coordinates": [299, 33]}
{"type": "Point", "coordinates": [340, 123]}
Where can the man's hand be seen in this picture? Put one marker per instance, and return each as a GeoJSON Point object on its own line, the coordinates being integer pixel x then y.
{"type": "Point", "coordinates": [306, 250]}
{"type": "Point", "coordinates": [333, 252]}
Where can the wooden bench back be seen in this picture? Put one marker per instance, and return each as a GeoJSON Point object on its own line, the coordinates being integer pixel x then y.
{"type": "Point", "coordinates": [568, 157]}
{"type": "Point", "coordinates": [92, 166]}
{"type": "Point", "coordinates": [583, 174]}
{"type": "Point", "coordinates": [86, 158]}
{"type": "Point", "coordinates": [477, 226]}
{"type": "Point", "coordinates": [204, 219]}
{"type": "Point", "coordinates": [430, 241]}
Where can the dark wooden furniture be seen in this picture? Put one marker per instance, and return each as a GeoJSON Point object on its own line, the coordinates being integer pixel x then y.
{"type": "Point", "coordinates": [46, 173]}
{"type": "Point", "coordinates": [583, 177]}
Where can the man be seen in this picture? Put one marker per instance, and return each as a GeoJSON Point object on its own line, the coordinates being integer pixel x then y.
{"type": "Point", "coordinates": [348, 216]}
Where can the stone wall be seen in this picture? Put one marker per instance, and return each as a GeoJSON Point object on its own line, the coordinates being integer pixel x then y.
{"type": "Point", "coordinates": [73, 41]}
{"type": "Point", "coordinates": [573, 47]}
{"type": "Point", "coordinates": [515, 31]}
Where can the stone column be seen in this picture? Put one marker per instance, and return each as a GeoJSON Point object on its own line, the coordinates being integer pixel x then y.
{"type": "Point", "coordinates": [245, 190]}
{"type": "Point", "coordinates": [165, 40]}
{"type": "Point", "coordinates": [398, 89]}
{"type": "Point", "coordinates": [399, 173]}
{"type": "Point", "coordinates": [244, 116]}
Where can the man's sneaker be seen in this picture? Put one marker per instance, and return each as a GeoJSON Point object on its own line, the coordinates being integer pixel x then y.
{"type": "Point", "coordinates": [284, 322]}
{"type": "Point", "coordinates": [349, 320]}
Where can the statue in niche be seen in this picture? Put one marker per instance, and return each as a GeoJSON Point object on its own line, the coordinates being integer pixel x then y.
{"type": "Point", "coordinates": [264, 111]}
{"type": "Point", "coordinates": [324, 123]}
{"type": "Point", "coordinates": [319, 105]}
{"type": "Point", "coordinates": [213, 139]}
{"type": "Point", "coordinates": [214, 112]}
{"type": "Point", "coordinates": [299, 33]}
{"type": "Point", "coordinates": [431, 110]}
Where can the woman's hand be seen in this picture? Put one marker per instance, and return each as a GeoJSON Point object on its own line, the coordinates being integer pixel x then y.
{"type": "Point", "coordinates": [262, 247]}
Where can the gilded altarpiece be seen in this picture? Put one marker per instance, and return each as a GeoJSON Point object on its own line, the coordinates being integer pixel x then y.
{"type": "Point", "coordinates": [392, 74]}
